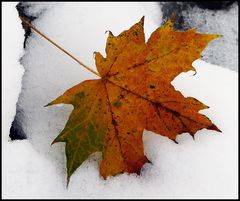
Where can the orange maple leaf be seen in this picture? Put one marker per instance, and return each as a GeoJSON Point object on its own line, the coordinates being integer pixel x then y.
{"type": "Point", "coordinates": [133, 94]}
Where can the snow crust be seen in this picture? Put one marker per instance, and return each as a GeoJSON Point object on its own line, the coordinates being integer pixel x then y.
{"type": "Point", "coordinates": [203, 168]}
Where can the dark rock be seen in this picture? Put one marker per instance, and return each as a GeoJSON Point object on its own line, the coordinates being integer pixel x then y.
{"type": "Point", "coordinates": [21, 8]}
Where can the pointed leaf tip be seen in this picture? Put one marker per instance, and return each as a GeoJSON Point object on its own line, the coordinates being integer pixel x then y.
{"type": "Point", "coordinates": [192, 134]}
{"type": "Point", "coordinates": [142, 20]}
{"type": "Point", "coordinates": [48, 104]}
{"type": "Point", "coordinates": [57, 139]}
{"type": "Point", "coordinates": [195, 72]}
{"type": "Point", "coordinates": [215, 36]}
{"type": "Point", "coordinates": [68, 180]}
{"type": "Point", "coordinates": [175, 141]}
{"type": "Point", "coordinates": [109, 33]}
{"type": "Point", "coordinates": [219, 35]}
{"type": "Point", "coordinates": [215, 128]}
{"type": "Point", "coordinates": [53, 142]}
{"type": "Point", "coordinates": [148, 161]}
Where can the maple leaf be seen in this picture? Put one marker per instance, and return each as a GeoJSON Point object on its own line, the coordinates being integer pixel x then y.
{"type": "Point", "coordinates": [133, 94]}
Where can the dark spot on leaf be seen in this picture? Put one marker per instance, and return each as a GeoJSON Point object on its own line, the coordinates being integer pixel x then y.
{"type": "Point", "coordinates": [117, 104]}
{"type": "Point", "coordinates": [114, 122]}
{"type": "Point", "coordinates": [121, 96]}
{"type": "Point", "coordinates": [135, 33]}
{"type": "Point", "coordinates": [81, 94]}
{"type": "Point", "coordinates": [175, 113]}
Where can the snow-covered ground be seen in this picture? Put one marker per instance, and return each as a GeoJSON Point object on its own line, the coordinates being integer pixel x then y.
{"type": "Point", "coordinates": [204, 168]}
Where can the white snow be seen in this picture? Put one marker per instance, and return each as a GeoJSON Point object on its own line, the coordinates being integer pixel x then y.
{"type": "Point", "coordinates": [12, 71]}
{"type": "Point", "coordinates": [204, 168]}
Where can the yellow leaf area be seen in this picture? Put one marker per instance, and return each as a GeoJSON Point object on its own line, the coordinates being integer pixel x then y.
{"type": "Point", "coordinates": [133, 94]}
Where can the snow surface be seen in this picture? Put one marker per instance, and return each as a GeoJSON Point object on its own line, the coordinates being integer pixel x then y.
{"type": "Point", "coordinates": [204, 168]}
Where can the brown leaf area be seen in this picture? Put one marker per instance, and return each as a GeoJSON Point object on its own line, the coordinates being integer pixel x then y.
{"type": "Point", "coordinates": [133, 94]}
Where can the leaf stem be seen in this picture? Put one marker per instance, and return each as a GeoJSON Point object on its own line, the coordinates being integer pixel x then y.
{"type": "Point", "coordinates": [56, 45]}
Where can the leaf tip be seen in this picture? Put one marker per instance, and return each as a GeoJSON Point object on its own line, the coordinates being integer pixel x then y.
{"type": "Point", "coordinates": [142, 20]}
{"type": "Point", "coordinates": [192, 134]}
{"type": "Point", "coordinates": [109, 33]}
{"type": "Point", "coordinates": [53, 142]}
{"type": "Point", "coordinates": [53, 102]}
{"type": "Point", "coordinates": [68, 180]}
{"type": "Point", "coordinates": [104, 177]}
{"type": "Point", "coordinates": [168, 25]}
{"type": "Point", "coordinates": [138, 172]}
{"type": "Point", "coordinates": [57, 139]}
{"type": "Point", "coordinates": [215, 128]}
{"type": "Point", "coordinates": [206, 107]}
{"type": "Point", "coordinates": [175, 141]}
{"type": "Point", "coordinates": [194, 70]}
{"type": "Point", "coordinates": [94, 54]}
{"type": "Point", "coordinates": [218, 35]}
{"type": "Point", "coordinates": [195, 73]}
{"type": "Point", "coordinates": [48, 104]}
{"type": "Point", "coordinates": [148, 161]}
